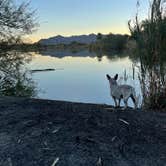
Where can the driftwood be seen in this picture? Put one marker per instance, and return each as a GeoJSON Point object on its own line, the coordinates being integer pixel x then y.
{"type": "Point", "coordinates": [43, 70]}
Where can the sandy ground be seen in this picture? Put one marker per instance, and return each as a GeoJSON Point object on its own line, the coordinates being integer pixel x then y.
{"type": "Point", "coordinates": [56, 133]}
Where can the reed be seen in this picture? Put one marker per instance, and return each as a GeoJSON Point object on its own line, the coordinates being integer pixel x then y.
{"type": "Point", "coordinates": [150, 37]}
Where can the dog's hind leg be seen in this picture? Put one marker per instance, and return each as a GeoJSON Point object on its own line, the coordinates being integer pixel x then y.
{"type": "Point", "coordinates": [134, 100]}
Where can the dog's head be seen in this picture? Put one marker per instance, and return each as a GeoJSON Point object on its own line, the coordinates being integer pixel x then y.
{"type": "Point", "coordinates": [112, 81]}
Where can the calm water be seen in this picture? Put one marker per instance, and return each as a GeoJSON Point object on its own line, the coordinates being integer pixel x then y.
{"type": "Point", "coordinates": [79, 77]}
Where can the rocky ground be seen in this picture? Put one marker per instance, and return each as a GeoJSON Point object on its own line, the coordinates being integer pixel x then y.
{"type": "Point", "coordinates": [55, 133]}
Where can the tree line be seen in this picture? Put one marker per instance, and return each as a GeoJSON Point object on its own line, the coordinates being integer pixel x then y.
{"type": "Point", "coordinates": [110, 42]}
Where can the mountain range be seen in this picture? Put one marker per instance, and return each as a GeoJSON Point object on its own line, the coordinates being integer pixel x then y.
{"type": "Point", "coordinates": [85, 39]}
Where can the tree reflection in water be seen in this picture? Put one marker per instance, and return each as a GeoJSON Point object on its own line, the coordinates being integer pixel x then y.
{"type": "Point", "coordinates": [15, 80]}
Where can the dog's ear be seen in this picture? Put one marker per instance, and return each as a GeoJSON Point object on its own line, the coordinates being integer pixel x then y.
{"type": "Point", "coordinates": [116, 77]}
{"type": "Point", "coordinates": [108, 77]}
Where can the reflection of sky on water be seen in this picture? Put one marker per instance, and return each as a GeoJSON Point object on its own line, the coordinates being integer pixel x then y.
{"type": "Point", "coordinates": [80, 79]}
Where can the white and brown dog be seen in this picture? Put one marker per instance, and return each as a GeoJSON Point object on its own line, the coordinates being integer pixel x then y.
{"type": "Point", "coordinates": [119, 92]}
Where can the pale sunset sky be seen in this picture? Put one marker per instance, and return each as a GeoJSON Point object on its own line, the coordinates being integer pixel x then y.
{"type": "Point", "coordinates": [76, 17]}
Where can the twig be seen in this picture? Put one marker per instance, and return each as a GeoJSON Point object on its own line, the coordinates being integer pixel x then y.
{"type": "Point", "coordinates": [55, 161]}
{"type": "Point", "coordinates": [56, 130]}
{"type": "Point", "coordinates": [99, 162]}
{"type": "Point", "coordinates": [19, 141]}
{"type": "Point", "coordinates": [122, 120]}
{"type": "Point", "coordinates": [113, 138]}
{"type": "Point", "coordinates": [10, 161]}
{"type": "Point", "coordinates": [90, 140]}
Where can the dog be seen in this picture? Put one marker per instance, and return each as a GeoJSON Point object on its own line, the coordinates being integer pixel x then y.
{"type": "Point", "coordinates": [119, 92]}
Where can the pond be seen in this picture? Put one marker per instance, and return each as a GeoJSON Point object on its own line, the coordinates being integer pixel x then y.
{"type": "Point", "coordinates": [81, 76]}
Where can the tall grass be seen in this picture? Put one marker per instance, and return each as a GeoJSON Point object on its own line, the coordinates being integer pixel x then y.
{"type": "Point", "coordinates": [150, 37]}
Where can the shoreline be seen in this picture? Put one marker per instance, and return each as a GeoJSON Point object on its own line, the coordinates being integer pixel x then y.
{"type": "Point", "coordinates": [40, 132]}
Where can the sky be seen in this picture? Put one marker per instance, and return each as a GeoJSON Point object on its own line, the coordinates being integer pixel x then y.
{"type": "Point", "coordinates": [76, 17]}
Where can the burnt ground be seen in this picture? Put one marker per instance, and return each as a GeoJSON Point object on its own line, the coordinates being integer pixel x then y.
{"type": "Point", "coordinates": [48, 133]}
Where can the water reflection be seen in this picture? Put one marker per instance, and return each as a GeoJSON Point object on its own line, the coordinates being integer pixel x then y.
{"type": "Point", "coordinates": [14, 78]}
{"type": "Point", "coordinates": [81, 80]}
{"type": "Point", "coordinates": [82, 53]}
{"type": "Point", "coordinates": [65, 53]}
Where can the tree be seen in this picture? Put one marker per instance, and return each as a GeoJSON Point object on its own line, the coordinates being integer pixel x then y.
{"type": "Point", "coordinates": [15, 80]}
{"type": "Point", "coordinates": [114, 42]}
{"type": "Point", "coordinates": [15, 21]}
{"type": "Point", "coordinates": [99, 36]}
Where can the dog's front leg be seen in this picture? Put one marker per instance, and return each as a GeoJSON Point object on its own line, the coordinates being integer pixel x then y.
{"type": "Point", "coordinates": [115, 101]}
{"type": "Point", "coordinates": [125, 102]}
{"type": "Point", "coordinates": [119, 100]}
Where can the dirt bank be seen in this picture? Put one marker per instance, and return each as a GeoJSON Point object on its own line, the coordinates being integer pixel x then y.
{"type": "Point", "coordinates": [41, 133]}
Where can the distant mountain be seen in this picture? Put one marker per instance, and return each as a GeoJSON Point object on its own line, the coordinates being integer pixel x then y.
{"type": "Point", "coordinates": [85, 39]}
